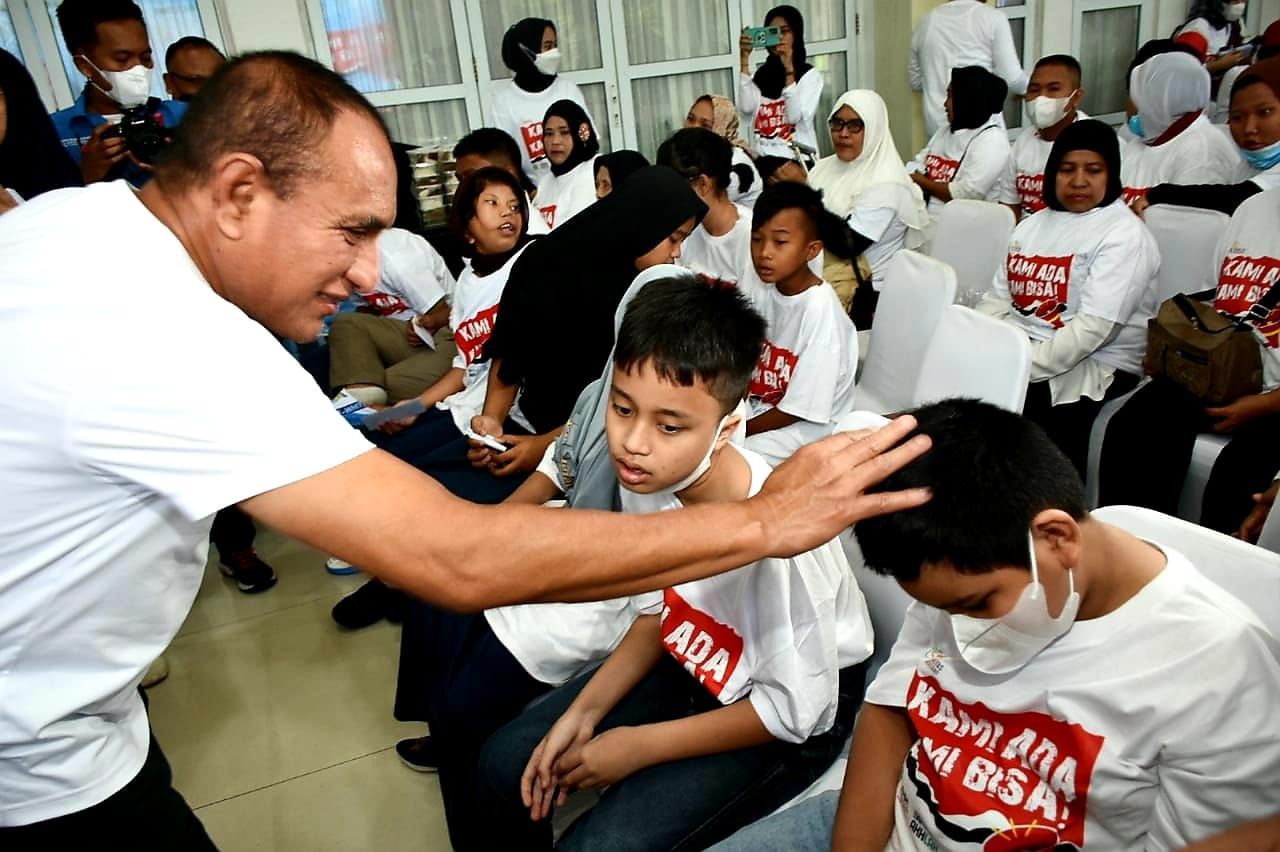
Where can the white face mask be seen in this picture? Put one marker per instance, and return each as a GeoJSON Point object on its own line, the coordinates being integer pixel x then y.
{"type": "Point", "coordinates": [129, 88]}
{"type": "Point", "coordinates": [1234, 12]}
{"type": "Point", "coordinates": [548, 62]}
{"type": "Point", "coordinates": [664, 498]}
{"type": "Point", "coordinates": [997, 646]}
{"type": "Point", "coordinates": [1046, 112]}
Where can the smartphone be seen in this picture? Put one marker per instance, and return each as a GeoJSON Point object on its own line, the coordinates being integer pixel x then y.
{"type": "Point", "coordinates": [764, 36]}
{"type": "Point", "coordinates": [488, 440]}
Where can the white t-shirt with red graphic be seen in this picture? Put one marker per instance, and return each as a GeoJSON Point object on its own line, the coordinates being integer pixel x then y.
{"type": "Point", "coordinates": [520, 114]}
{"type": "Point", "coordinates": [1102, 263]}
{"type": "Point", "coordinates": [772, 122]}
{"type": "Point", "coordinates": [1200, 154]}
{"type": "Point", "coordinates": [971, 161]}
{"type": "Point", "coordinates": [561, 197]}
{"type": "Point", "coordinates": [412, 277]}
{"type": "Point", "coordinates": [1023, 180]}
{"type": "Point", "coordinates": [1146, 728]}
{"type": "Point", "coordinates": [776, 632]}
{"type": "Point", "coordinates": [471, 316]}
{"type": "Point", "coordinates": [1250, 267]}
{"type": "Point", "coordinates": [719, 259]}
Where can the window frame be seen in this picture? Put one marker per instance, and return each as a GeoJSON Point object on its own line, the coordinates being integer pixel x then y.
{"type": "Point", "coordinates": [1029, 14]}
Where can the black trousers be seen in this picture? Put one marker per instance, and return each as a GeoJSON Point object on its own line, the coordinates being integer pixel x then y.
{"type": "Point", "coordinates": [232, 531]}
{"type": "Point", "coordinates": [1070, 423]}
{"type": "Point", "coordinates": [146, 815]}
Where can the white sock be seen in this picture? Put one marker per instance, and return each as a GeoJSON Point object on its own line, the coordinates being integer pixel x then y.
{"type": "Point", "coordinates": [368, 394]}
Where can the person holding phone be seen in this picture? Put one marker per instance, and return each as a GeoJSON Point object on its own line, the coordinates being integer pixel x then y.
{"type": "Point", "coordinates": [780, 100]}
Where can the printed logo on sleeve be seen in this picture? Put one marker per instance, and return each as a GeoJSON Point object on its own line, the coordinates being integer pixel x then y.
{"type": "Point", "coordinates": [1031, 191]}
{"type": "Point", "coordinates": [386, 304]}
{"type": "Point", "coordinates": [772, 374]}
{"type": "Point", "coordinates": [1038, 285]}
{"type": "Point", "coordinates": [1243, 282]}
{"type": "Point", "coordinates": [472, 334]}
{"type": "Point", "coordinates": [708, 649]}
{"type": "Point", "coordinates": [771, 120]}
{"type": "Point", "coordinates": [1003, 782]}
{"type": "Point", "coordinates": [548, 215]}
{"type": "Point", "coordinates": [531, 134]}
{"type": "Point", "coordinates": [940, 168]}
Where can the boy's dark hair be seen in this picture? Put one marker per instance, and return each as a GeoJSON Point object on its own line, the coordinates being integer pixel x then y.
{"type": "Point", "coordinates": [276, 105]}
{"type": "Point", "coordinates": [188, 42]}
{"type": "Point", "coordinates": [696, 151]}
{"type": "Point", "coordinates": [79, 19]}
{"type": "Point", "coordinates": [493, 144]}
{"type": "Point", "coordinates": [991, 472]}
{"type": "Point", "coordinates": [1063, 60]}
{"type": "Point", "coordinates": [689, 329]}
{"type": "Point", "coordinates": [464, 200]}
{"type": "Point", "coordinates": [823, 225]}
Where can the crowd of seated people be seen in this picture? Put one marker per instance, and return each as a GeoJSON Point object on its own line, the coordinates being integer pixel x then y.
{"type": "Point", "coordinates": [634, 337]}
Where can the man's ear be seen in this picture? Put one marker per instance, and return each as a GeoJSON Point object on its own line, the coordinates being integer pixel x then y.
{"type": "Point", "coordinates": [1077, 98]}
{"type": "Point", "coordinates": [239, 185]}
{"type": "Point", "coordinates": [85, 67]}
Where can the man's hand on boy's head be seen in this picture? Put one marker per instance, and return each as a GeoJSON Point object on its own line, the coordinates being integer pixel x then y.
{"type": "Point", "coordinates": [821, 490]}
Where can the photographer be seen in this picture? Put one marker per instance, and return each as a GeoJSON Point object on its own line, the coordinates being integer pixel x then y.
{"type": "Point", "coordinates": [107, 39]}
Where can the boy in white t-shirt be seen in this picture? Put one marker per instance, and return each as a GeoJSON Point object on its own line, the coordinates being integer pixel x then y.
{"type": "Point", "coordinates": [803, 383]}
{"type": "Point", "coordinates": [1059, 684]}
{"type": "Point", "coordinates": [727, 697]}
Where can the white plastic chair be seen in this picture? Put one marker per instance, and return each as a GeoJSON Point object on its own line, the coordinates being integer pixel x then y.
{"type": "Point", "coordinates": [916, 290]}
{"type": "Point", "coordinates": [1248, 572]}
{"type": "Point", "coordinates": [972, 236]}
{"type": "Point", "coordinates": [1188, 240]}
{"type": "Point", "coordinates": [975, 356]}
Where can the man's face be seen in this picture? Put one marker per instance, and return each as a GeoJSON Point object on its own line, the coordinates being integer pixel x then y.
{"type": "Point", "coordinates": [121, 45]}
{"type": "Point", "coordinates": [1052, 81]}
{"type": "Point", "coordinates": [190, 70]}
{"type": "Point", "coordinates": [658, 431]}
{"type": "Point", "coordinates": [297, 259]}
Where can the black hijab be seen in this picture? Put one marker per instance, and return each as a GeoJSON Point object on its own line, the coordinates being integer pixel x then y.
{"type": "Point", "coordinates": [32, 159]}
{"type": "Point", "coordinates": [585, 142]}
{"type": "Point", "coordinates": [621, 165]}
{"type": "Point", "coordinates": [976, 94]}
{"type": "Point", "coordinates": [521, 43]}
{"type": "Point", "coordinates": [771, 77]}
{"type": "Point", "coordinates": [555, 329]}
{"type": "Point", "coordinates": [1086, 135]}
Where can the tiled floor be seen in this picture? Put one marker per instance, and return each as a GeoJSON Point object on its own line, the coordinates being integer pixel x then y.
{"type": "Point", "coordinates": [278, 724]}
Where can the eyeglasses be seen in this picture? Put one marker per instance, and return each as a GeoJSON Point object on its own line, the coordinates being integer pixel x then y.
{"type": "Point", "coordinates": [853, 125]}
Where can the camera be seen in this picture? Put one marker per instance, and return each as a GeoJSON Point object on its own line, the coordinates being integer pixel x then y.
{"type": "Point", "coordinates": [143, 133]}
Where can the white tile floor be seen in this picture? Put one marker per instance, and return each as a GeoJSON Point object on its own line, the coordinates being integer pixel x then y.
{"type": "Point", "coordinates": [278, 723]}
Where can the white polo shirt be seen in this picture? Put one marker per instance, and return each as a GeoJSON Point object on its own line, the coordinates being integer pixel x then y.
{"type": "Point", "coordinates": [128, 423]}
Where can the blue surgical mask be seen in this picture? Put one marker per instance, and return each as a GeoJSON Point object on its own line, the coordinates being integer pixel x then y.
{"type": "Point", "coordinates": [1263, 158]}
{"type": "Point", "coordinates": [1135, 126]}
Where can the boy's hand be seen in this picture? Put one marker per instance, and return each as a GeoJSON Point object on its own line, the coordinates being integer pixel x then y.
{"type": "Point", "coordinates": [411, 336]}
{"type": "Point", "coordinates": [525, 453]}
{"type": "Point", "coordinates": [1262, 504]}
{"type": "Point", "coordinates": [605, 760]}
{"type": "Point", "coordinates": [1242, 411]}
{"type": "Point", "coordinates": [478, 454]}
{"type": "Point", "coordinates": [538, 783]}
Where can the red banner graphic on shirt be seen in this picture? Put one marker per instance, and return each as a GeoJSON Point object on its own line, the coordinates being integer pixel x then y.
{"type": "Point", "coordinates": [1031, 191]}
{"type": "Point", "coordinates": [1002, 781]}
{"type": "Point", "coordinates": [1038, 285]}
{"type": "Point", "coordinates": [773, 373]}
{"type": "Point", "coordinates": [1132, 194]}
{"type": "Point", "coordinates": [771, 120]}
{"type": "Point", "coordinates": [472, 334]}
{"type": "Point", "coordinates": [708, 649]}
{"type": "Point", "coordinates": [940, 168]}
{"type": "Point", "coordinates": [548, 215]}
{"type": "Point", "coordinates": [1244, 280]}
{"type": "Point", "coordinates": [531, 135]}
{"type": "Point", "coordinates": [385, 304]}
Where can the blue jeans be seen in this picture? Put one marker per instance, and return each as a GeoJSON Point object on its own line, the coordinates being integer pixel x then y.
{"type": "Point", "coordinates": [700, 800]}
{"type": "Point", "coordinates": [805, 828]}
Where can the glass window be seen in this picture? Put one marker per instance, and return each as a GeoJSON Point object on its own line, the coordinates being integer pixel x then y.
{"type": "Point", "coordinates": [675, 29]}
{"type": "Point", "coordinates": [597, 105]}
{"type": "Point", "coordinates": [823, 19]}
{"type": "Point", "coordinates": [8, 38]}
{"type": "Point", "coordinates": [1013, 114]}
{"type": "Point", "coordinates": [835, 78]}
{"type": "Point", "coordinates": [435, 125]}
{"type": "Point", "coordinates": [1109, 39]}
{"type": "Point", "coordinates": [167, 21]}
{"type": "Point", "coordinates": [664, 101]}
{"type": "Point", "coordinates": [577, 27]}
{"type": "Point", "coordinates": [380, 45]}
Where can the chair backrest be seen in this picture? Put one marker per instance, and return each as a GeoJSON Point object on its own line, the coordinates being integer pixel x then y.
{"type": "Point", "coordinates": [1248, 572]}
{"type": "Point", "coordinates": [915, 292]}
{"type": "Point", "coordinates": [972, 236]}
{"type": "Point", "coordinates": [975, 356]}
{"type": "Point", "coordinates": [1188, 240]}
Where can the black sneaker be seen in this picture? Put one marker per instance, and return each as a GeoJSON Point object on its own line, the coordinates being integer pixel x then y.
{"type": "Point", "coordinates": [419, 754]}
{"type": "Point", "coordinates": [251, 574]}
{"type": "Point", "coordinates": [368, 605]}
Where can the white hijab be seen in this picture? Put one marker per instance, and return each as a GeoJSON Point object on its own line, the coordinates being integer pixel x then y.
{"type": "Point", "coordinates": [877, 176]}
{"type": "Point", "coordinates": [1165, 88]}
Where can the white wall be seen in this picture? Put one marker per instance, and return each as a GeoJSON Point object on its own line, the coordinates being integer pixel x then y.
{"type": "Point", "coordinates": [265, 24]}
